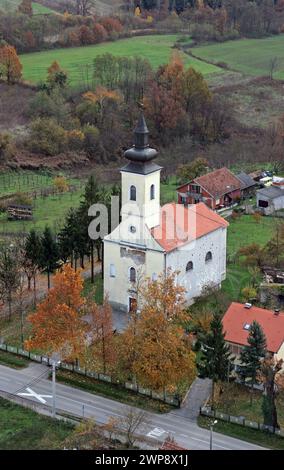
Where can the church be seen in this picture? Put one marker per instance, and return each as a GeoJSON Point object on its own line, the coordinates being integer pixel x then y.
{"type": "Point", "coordinates": [150, 240]}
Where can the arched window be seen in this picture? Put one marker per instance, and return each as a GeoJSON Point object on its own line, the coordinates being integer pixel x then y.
{"type": "Point", "coordinates": [132, 193]}
{"type": "Point", "coordinates": [132, 275]}
{"type": "Point", "coordinates": [189, 266]}
{"type": "Point", "coordinates": [152, 192]}
{"type": "Point", "coordinates": [208, 256]}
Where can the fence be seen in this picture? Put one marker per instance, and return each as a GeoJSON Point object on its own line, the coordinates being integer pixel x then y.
{"type": "Point", "coordinates": [241, 420]}
{"type": "Point", "coordinates": [173, 400]}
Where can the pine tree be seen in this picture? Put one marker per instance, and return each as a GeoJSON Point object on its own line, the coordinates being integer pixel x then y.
{"type": "Point", "coordinates": [32, 257]}
{"type": "Point", "coordinates": [49, 253]}
{"type": "Point", "coordinates": [215, 361]}
{"type": "Point", "coordinates": [252, 354]}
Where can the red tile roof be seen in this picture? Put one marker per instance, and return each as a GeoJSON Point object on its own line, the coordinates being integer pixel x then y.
{"type": "Point", "coordinates": [219, 182]}
{"type": "Point", "coordinates": [237, 316]}
{"type": "Point", "coordinates": [170, 444]}
{"type": "Point", "coordinates": [181, 225]}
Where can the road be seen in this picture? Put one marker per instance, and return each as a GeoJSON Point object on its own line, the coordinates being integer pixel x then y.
{"type": "Point", "coordinates": [185, 431]}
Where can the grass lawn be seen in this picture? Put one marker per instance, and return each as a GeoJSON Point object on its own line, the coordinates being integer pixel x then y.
{"type": "Point", "coordinates": [261, 438]}
{"type": "Point", "coordinates": [49, 211]}
{"type": "Point", "coordinates": [11, 330]}
{"type": "Point", "coordinates": [155, 48]}
{"type": "Point", "coordinates": [98, 286]}
{"type": "Point", "coordinates": [235, 400]}
{"type": "Point", "coordinates": [242, 232]}
{"type": "Point", "coordinates": [12, 360]}
{"type": "Point", "coordinates": [12, 5]}
{"type": "Point", "coordinates": [114, 392]}
{"type": "Point", "coordinates": [23, 181]}
{"type": "Point", "coordinates": [249, 56]}
{"type": "Point", "coordinates": [23, 429]}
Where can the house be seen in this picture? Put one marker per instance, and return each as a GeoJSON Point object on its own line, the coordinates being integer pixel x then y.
{"type": "Point", "coordinates": [217, 189]}
{"type": "Point", "coordinates": [237, 321]}
{"type": "Point", "coordinates": [150, 240]}
{"type": "Point", "coordinates": [247, 184]}
{"type": "Point", "coordinates": [269, 200]}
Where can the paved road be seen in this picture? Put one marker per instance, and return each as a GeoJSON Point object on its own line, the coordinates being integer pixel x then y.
{"type": "Point", "coordinates": [198, 393]}
{"type": "Point", "coordinates": [71, 400]}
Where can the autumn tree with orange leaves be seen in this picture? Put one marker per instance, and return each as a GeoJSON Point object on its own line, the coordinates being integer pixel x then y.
{"type": "Point", "coordinates": [154, 348]}
{"type": "Point", "coordinates": [10, 65]}
{"type": "Point", "coordinates": [57, 325]}
{"type": "Point", "coordinates": [101, 352]}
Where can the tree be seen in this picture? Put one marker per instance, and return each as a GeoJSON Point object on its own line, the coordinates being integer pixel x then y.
{"type": "Point", "coordinates": [192, 170]}
{"type": "Point", "coordinates": [271, 375]}
{"type": "Point", "coordinates": [132, 421]}
{"type": "Point", "coordinates": [10, 65]}
{"type": "Point", "coordinates": [215, 360]}
{"type": "Point", "coordinates": [61, 184]}
{"type": "Point", "coordinates": [153, 348]}
{"type": "Point", "coordinates": [32, 258]}
{"type": "Point", "coordinates": [57, 325]}
{"type": "Point", "coordinates": [252, 354]}
{"type": "Point", "coordinates": [9, 274]}
{"type": "Point", "coordinates": [49, 254]}
{"type": "Point", "coordinates": [47, 137]}
{"type": "Point", "coordinates": [254, 255]}
{"type": "Point", "coordinates": [83, 7]}
{"type": "Point", "coordinates": [273, 66]}
{"type": "Point", "coordinates": [249, 293]}
{"type": "Point", "coordinates": [101, 351]}
{"type": "Point", "coordinates": [56, 75]}
{"type": "Point", "coordinates": [25, 7]}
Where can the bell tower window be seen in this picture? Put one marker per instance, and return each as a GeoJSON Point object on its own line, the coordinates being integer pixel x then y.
{"type": "Point", "coordinates": [152, 192]}
{"type": "Point", "coordinates": [132, 193]}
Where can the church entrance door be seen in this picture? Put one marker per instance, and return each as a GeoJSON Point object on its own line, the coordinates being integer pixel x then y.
{"type": "Point", "coordinates": [132, 304]}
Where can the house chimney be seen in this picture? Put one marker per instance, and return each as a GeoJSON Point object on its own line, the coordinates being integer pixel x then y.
{"type": "Point", "coordinates": [248, 305]}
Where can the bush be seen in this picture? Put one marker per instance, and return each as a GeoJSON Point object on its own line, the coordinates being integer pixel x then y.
{"type": "Point", "coordinates": [75, 139]}
{"type": "Point", "coordinates": [91, 139]}
{"type": "Point", "coordinates": [47, 137]}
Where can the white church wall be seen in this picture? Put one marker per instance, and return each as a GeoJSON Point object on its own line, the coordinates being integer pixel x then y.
{"type": "Point", "coordinates": [204, 273]}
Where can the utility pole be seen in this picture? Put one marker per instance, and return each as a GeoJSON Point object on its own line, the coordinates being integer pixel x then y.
{"type": "Point", "coordinates": [55, 362]}
{"type": "Point", "coordinates": [212, 424]}
{"type": "Point", "coordinates": [53, 389]}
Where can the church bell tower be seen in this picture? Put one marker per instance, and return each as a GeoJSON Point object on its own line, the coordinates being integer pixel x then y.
{"type": "Point", "coordinates": [140, 180]}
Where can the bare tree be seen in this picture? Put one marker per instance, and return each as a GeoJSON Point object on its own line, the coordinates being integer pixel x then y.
{"type": "Point", "coordinates": [273, 66]}
{"type": "Point", "coordinates": [132, 421]}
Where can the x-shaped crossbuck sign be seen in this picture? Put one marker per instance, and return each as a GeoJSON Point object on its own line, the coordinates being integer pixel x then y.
{"type": "Point", "coordinates": [35, 395]}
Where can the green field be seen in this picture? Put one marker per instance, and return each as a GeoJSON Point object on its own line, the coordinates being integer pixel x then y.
{"type": "Point", "coordinates": [12, 5]}
{"type": "Point", "coordinates": [249, 56]}
{"type": "Point", "coordinates": [23, 429]}
{"type": "Point", "coordinates": [156, 48]}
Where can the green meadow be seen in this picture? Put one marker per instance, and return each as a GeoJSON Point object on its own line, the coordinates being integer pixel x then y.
{"type": "Point", "coordinates": [12, 5]}
{"type": "Point", "coordinates": [76, 60]}
{"type": "Point", "coordinates": [248, 56]}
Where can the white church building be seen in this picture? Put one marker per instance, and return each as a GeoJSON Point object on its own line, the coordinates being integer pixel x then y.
{"type": "Point", "coordinates": [150, 240]}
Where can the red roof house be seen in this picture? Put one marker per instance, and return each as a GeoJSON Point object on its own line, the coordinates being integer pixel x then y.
{"type": "Point", "coordinates": [237, 321]}
{"type": "Point", "coordinates": [217, 189]}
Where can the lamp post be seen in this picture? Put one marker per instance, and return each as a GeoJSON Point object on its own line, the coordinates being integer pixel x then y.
{"type": "Point", "coordinates": [212, 424]}
{"type": "Point", "coordinates": [55, 362]}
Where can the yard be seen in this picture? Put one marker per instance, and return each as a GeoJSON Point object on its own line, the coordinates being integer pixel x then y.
{"type": "Point", "coordinates": [12, 5]}
{"type": "Point", "coordinates": [157, 49]}
{"type": "Point", "coordinates": [23, 429]}
{"type": "Point", "coordinates": [241, 232]}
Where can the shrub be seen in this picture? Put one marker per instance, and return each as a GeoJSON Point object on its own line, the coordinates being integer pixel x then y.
{"type": "Point", "coordinates": [75, 139]}
{"type": "Point", "coordinates": [91, 139]}
{"type": "Point", "coordinates": [46, 136]}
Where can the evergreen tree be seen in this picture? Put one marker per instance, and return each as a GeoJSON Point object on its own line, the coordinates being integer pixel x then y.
{"type": "Point", "coordinates": [32, 257]}
{"type": "Point", "coordinates": [215, 363]}
{"type": "Point", "coordinates": [252, 354]}
{"type": "Point", "coordinates": [49, 253]}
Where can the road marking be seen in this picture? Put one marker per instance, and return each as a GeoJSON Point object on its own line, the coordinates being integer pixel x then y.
{"type": "Point", "coordinates": [35, 395]}
{"type": "Point", "coordinates": [156, 432]}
